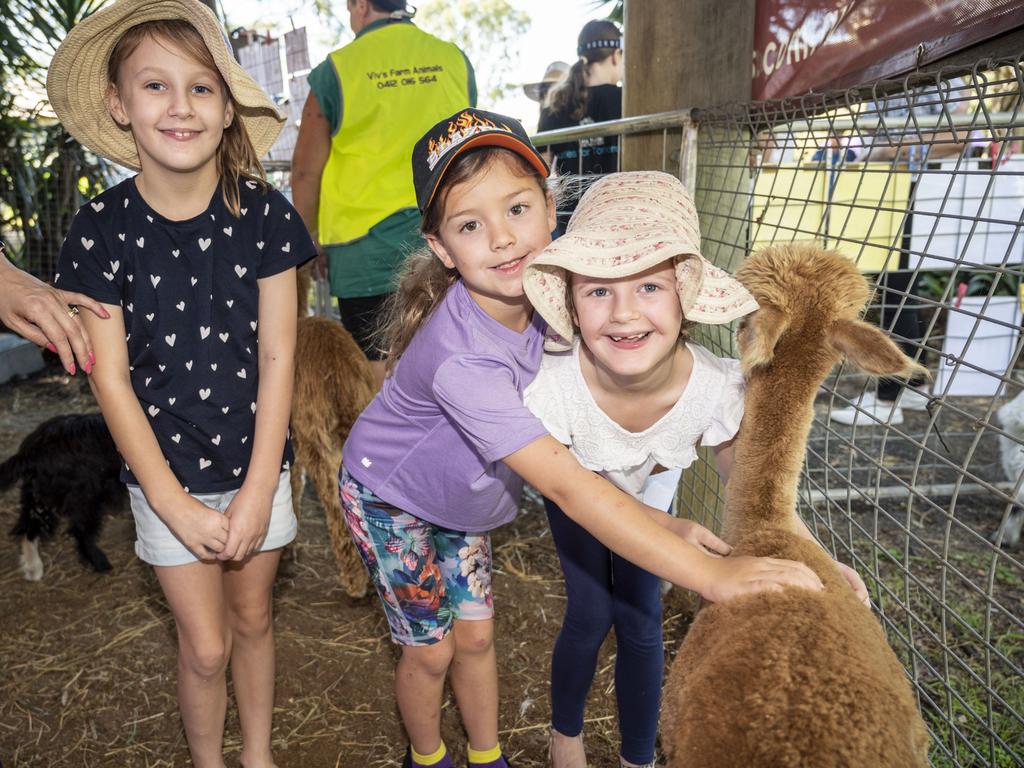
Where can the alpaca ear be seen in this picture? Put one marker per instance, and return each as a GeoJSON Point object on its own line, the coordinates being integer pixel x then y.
{"type": "Point", "coordinates": [872, 351]}
{"type": "Point", "coordinates": [757, 336]}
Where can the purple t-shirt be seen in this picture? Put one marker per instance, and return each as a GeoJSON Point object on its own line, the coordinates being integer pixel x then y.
{"type": "Point", "coordinates": [433, 439]}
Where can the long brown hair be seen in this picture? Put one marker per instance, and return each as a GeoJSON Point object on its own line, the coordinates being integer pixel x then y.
{"type": "Point", "coordinates": [236, 156]}
{"type": "Point", "coordinates": [569, 96]}
{"type": "Point", "coordinates": [424, 279]}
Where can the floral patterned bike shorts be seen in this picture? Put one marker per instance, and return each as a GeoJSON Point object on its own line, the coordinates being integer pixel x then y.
{"type": "Point", "coordinates": [426, 576]}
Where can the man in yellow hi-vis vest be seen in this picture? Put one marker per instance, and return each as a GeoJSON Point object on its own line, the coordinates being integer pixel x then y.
{"type": "Point", "coordinates": [351, 172]}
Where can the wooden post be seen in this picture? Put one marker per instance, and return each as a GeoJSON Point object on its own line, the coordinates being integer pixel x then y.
{"type": "Point", "coordinates": [686, 54]}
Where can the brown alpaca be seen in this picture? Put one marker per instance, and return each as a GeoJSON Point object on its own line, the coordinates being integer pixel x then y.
{"type": "Point", "coordinates": [333, 384]}
{"type": "Point", "coordinates": [792, 678]}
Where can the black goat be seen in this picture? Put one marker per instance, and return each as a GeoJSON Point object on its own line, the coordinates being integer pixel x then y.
{"type": "Point", "coordinates": [68, 467]}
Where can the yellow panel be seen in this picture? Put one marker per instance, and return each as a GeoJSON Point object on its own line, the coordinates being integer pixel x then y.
{"type": "Point", "coordinates": [788, 205]}
{"type": "Point", "coordinates": [868, 208]}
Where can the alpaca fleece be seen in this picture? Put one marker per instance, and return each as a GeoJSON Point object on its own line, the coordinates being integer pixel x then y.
{"type": "Point", "coordinates": [792, 678]}
{"type": "Point", "coordinates": [333, 383]}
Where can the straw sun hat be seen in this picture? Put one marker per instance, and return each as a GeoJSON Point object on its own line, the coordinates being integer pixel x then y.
{"type": "Point", "coordinates": [77, 79]}
{"type": "Point", "coordinates": [624, 224]}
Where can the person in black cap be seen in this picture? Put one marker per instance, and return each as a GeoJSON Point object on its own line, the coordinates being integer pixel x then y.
{"type": "Point", "coordinates": [439, 457]}
{"type": "Point", "coordinates": [351, 182]}
{"type": "Point", "coordinates": [589, 93]}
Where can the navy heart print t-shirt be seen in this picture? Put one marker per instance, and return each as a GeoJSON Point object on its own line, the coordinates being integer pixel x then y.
{"type": "Point", "coordinates": [189, 294]}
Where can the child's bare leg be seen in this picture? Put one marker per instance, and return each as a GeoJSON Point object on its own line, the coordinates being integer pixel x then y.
{"type": "Point", "coordinates": [419, 685]}
{"type": "Point", "coordinates": [195, 594]}
{"type": "Point", "coordinates": [248, 591]}
{"type": "Point", "coordinates": [475, 681]}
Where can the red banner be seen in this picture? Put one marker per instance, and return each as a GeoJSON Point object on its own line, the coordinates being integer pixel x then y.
{"type": "Point", "coordinates": [816, 45]}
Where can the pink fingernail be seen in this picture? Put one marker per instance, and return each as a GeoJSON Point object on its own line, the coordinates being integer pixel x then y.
{"type": "Point", "coordinates": [92, 359]}
{"type": "Point", "coordinates": [51, 347]}
{"type": "Point", "coordinates": [72, 369]}
{"type": "Point", "coordinates": [88, 367]}
{"type": "Point", "coordinates": [106, 314]}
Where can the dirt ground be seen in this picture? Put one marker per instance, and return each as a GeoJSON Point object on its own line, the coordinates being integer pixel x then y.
{"type": "Point", "coordinates": [88, 660]}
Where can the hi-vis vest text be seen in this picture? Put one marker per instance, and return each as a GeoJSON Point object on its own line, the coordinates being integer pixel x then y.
{"type": "Point", "coordinates": [396, 82]}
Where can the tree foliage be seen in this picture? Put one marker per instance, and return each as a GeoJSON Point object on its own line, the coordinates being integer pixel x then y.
{"type": "Point", "coordinates": [488, 31]}
{"type": "Point", "coordinates": [44, 174]}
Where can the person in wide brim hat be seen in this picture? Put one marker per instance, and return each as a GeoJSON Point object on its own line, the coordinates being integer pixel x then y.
{"type": "Point", "coordinates": [624, 224]}
{"type": "Point", "coordinates": [78, 86]}
{"type": "Point", "coordinates": [537, 91]}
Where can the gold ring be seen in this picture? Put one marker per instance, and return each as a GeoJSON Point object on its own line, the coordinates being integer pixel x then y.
{"type": "Point", "coordinates": [73, 311]}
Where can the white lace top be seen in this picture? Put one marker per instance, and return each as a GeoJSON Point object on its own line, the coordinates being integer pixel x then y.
{"type": "Point", "coordinates": [707, 413]}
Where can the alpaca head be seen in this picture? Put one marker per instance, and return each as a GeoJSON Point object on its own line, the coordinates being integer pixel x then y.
{"type": "Point", "coordinates": [809, 317]}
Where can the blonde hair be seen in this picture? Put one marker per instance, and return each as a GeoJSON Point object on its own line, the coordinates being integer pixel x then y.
{"type": "Point", "coordinates": [424, 279]}
{"type": "Point", "coordinates": [236, 156]}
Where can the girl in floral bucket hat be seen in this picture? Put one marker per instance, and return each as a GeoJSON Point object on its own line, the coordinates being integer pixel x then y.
{"type": "Point", "coordinates": [633, 399]}
{"type": "Point", "coordinates": [194, 259]}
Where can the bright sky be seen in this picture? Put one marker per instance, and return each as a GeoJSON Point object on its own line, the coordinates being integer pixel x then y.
{"type": "Point", "coordinates": [552, 35]}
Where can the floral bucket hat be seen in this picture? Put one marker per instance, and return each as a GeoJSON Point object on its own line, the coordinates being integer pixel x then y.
{"type": "Point", "coordinates": [624, 224]}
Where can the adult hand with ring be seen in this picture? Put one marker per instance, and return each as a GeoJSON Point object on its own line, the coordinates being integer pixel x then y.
{"type": "Point", "coordinates": [47, 316]}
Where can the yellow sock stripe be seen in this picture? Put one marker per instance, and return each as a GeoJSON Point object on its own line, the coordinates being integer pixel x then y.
{"type": "Point", "coordinates": [431, 759]}
{"type": "Point", "coordinates": [487, 756]}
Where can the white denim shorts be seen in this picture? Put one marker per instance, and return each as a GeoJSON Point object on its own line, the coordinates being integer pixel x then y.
{"type": "Point", "coordinates": [156, 544]}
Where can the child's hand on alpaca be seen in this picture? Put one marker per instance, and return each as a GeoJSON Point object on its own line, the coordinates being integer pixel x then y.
{"type": "Point", "coordinates": [699, 536]}
{"type": "Point", "coordinates": [855, 581]}
{"type": "Point", "coordinates": [730, 577]}
{"type": "Point", "coordinates": [249, 513]}
{"type": "Point", "coordinates": [202, 529]}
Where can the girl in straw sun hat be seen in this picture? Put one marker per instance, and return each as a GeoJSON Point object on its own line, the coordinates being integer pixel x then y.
{"type": "Point", "coordinates": [632, 398]}
{"type": "Point", "coordinates": [194, 258]}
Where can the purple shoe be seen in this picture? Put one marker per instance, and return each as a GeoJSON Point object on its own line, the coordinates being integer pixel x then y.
{"type": "Point", "coordinates": [444, 762]}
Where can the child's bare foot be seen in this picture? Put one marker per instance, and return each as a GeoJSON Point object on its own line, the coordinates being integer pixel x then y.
{"type": "Point", "coordinates": [566, 751]}
{"type": "Point", "coordinates": [257, 761]}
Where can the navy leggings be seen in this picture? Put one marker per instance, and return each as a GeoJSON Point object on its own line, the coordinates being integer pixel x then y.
{"type": "Point", "coordinates": [603, 591]}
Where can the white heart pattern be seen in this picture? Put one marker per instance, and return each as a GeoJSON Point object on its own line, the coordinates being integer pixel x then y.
{"type": "Point", "coordinates": [288, 215]}
{"type": "Point", "coordinates": [259, 245]}
{"type": "Point", "coordinates": [194, 281]}
{"type": "Point", "coordinates": [180, 306]}
{"type": "Point", "coordinates": [176, 437]}
{"type": "Point", "coordinates": [244, 439]}
{"type": "Point", "coordinates": [227, 231]}
{"type": "Point", "coordinates": [155, 280]}
{"type": "Point", "coordinates": [175, 253]}
{"type": "Point", "coordinates": [223, 337]}
{"type": "Point", "coordinates": [287, 247]}
{"type": "Point", "coordinates": [171, 400]}
{"type": "Point", "coordinates": [241, 374]}
{"type": "Point", "coordinates": [150, 316]}
{"type": "Point", "coordinates": [215, 440]}
{"type": "Point", "coordinates": [97, 207]}
{"type": "Point", "coordinates": [236, 471]}
{"type": "Point", "coordinates": [252, 324]}
{"type": "Point", "coordinates": [252, 407]}
{"type": "Point", "coordinates": [162, 367]}
{"type": "Point", "coordinates": [126, 202]}
{"type": "Point", "coordinates": [204, 393]}
{"type": "Point", "coordinates": [114, 265]}
{"type": "Point", "coordinates": [150, 218]}
{"type": "Point", "coordinates": [204, 243]}
{"type": "Point", "coordinates": [251, 184]}
{"type": "Point", "coordinates": [240, 270]}
{"type": "Point", "coordinates": [170, 339]}
{"type": "Point", "coordinates": [108, 276]}
{"type": "Point", "coordinates": [130, 306]}
{"type": "Point", "coordinates": [266, 209]}
{"type": "Point", "coordinates": [74, 264]}
{"type": "Point", "coordinates": [204, 331]}
{"type": "Point", "coordinates": [224, 409]}
{"type": "Point", "coordinates": [213, 366]}
{"type": "Point", "coordinates": [148, 379]}
{"type": "Point", "coordinates": [87, 244]}
{"type": "Point", "coordinates": [230, 303]}
{"type": "Point", "coordinates": [140, 242]}
{"type": "Point", "coordinates": [188, 365]}
{"type": "Point", "coordinates": [244, 211]}
{"type": "Point", "coordinates": [153, 410]}
{"type": "Point", "coordinates": [120, 236]}
{"type": "Point", "coordinates": [204, 463]}
{"type": "Point", "coordinates": [130, 277]}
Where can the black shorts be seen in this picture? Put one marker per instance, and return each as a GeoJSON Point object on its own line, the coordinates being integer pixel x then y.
{"type": "Point", "coordinates": [361, 318]}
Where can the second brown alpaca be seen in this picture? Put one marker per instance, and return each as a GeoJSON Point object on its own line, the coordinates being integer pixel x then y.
{"type": "Point", "coordinates": [333, 384]}
{"type": "Point", "coordinates": [792, 678]}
